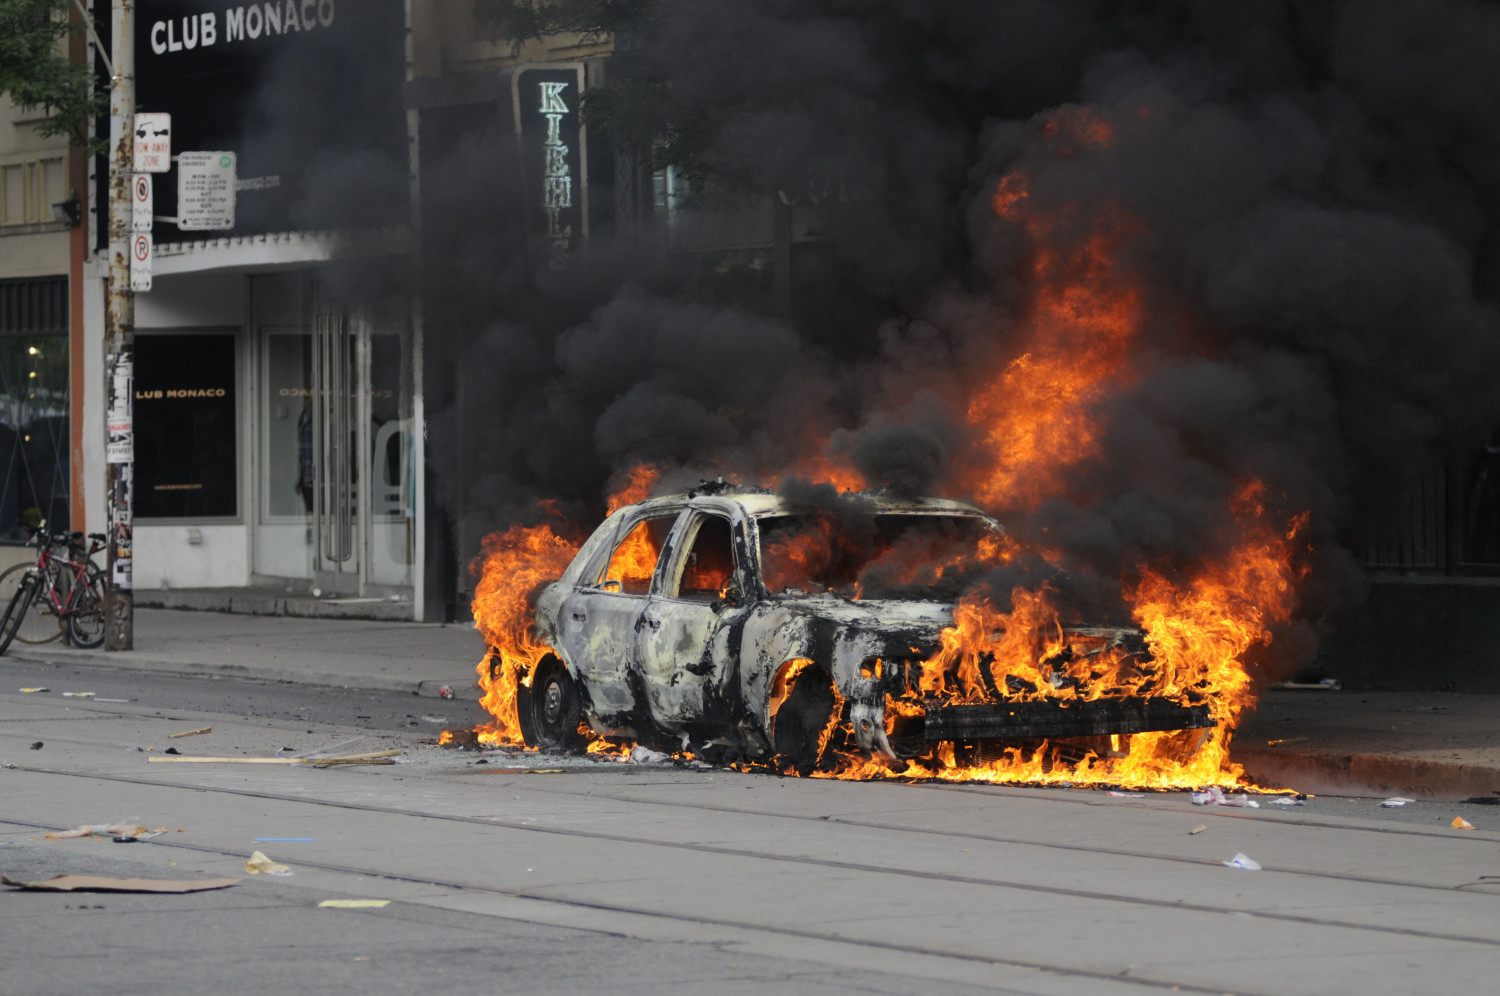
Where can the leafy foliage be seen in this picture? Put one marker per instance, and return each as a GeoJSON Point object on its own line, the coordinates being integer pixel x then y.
{"type": "Point", "coordinates": [35, 72]}
{"type": "Point", "coordinates": [523, 20]}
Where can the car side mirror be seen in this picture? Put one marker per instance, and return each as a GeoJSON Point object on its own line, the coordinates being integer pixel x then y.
{"type": "Point", "coordinates": [729, 597]}
{"type": "Point", "coordinates": [611, 584]}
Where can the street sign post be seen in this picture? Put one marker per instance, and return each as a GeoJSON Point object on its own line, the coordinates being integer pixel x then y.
{"type": "Point", "coordinates": [142, 203]}
{"type": "Point", "coordinates": [205, 190]}
{"type": "Point", "coordinates": [153, 143]}
{"type": "Point", "coordinates": [140, 261]}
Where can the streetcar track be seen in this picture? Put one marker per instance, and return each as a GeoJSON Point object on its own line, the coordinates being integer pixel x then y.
{"type": "Point", "coordinates": [598, 906]}
{"type": "Point", "coordinates": [1019, 841]}
{"type": "Point", "coordinates": [804, 860]}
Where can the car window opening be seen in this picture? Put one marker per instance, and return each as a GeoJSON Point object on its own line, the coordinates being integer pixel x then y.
{"type": "Point", "coordinates": [709, 567]}
{"type": "Point", "coordinates": [634, 559]}
{"type": "Point", "coordinates": [875, 557]}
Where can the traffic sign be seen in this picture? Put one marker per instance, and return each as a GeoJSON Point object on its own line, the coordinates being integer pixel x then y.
{"type": "Point", "coordinates": [153, 143]}
{"type": "Point", "coordinates": [205, 190]}
{"type": "Point", "coordinates": [141, 202]}
{"type": "Point", "coordinates": [141, 251]}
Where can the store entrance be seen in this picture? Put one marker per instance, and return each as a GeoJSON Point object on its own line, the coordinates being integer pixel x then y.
{"type": "Point", "coordinates": [338, 499]}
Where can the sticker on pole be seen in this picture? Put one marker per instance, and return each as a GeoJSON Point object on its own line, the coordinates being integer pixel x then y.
{"type": "Point", "coordinates": [142, 203]}
{"type": "Point", "coordinates": [205, 191]}
{"type": "Point", "coordinates": [140, 262]}
{"type": "Point", "coordinates": [153, 143]}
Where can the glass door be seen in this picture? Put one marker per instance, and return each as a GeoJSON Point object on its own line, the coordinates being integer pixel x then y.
{"type": "Point", "coordinates": [337, 462]}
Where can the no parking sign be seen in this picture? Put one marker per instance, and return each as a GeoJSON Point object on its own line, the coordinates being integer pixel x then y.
{"type": "Point", "coordinates": [140, 261]}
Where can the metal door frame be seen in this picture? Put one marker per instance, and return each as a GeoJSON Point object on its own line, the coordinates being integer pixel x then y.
{"type": "Point", "coordinates": [339, 376]}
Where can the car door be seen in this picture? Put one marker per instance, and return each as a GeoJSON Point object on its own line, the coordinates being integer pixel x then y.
{"type": "Point", "coordinates": [683, 648]}
{"type": "Point", "coordinates": [598, 620]}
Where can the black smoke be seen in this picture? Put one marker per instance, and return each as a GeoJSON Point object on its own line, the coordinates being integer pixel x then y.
{"type": "Point", "coordinates": [1317, 188]}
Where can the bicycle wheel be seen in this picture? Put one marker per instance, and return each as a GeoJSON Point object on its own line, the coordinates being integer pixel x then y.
{"type": "Point", "coordinates": [86, 615]}
{"type": "Point", "coordinates": [16, 609]}
{"type": "Point", "coordinates": [40, 623]}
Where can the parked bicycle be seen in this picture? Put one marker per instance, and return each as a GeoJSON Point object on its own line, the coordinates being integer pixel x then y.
{"type": "Point", "coordinates": [63, 592]}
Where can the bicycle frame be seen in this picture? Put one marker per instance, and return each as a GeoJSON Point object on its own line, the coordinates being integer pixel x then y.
{"type": "Point", "coordinates": [50, 567]}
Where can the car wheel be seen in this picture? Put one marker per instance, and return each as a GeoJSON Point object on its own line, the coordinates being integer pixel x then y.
{"type": "Point", "coordinates": [555, 708]}
{"type": "Point", "coordinates": [801, 727]}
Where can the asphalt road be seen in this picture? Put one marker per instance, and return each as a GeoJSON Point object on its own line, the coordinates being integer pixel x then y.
{"type": "Point", "coordinates": [523, 874]}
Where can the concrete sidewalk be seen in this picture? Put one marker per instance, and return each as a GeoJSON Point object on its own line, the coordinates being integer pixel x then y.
{"type": "Point", "coordinates": [1418, 744]}
{"type": "Point", "coordinates": [385, 656]}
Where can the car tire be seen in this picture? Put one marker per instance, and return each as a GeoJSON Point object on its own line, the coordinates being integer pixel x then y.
{"type": "Point", "coordinates": [555, 709]}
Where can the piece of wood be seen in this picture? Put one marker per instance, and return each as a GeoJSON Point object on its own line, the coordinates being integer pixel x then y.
{"type": "Point", "coordinates": [98, 883]}
{"type": "Point", "coordinates": [350, 757]}
{"type": "Point", "coordinates": [190, 733]}
{"type": "Point", "coordinates": [185, 759]}
{"type": "Point", "coordinates": [154, 759]}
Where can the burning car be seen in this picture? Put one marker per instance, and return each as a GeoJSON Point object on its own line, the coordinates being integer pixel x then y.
{"type": "Point", "coordinates": [745, 622]}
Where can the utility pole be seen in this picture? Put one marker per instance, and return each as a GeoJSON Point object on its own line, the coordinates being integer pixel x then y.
{"type": "Point", "coordinates": [119, 341]}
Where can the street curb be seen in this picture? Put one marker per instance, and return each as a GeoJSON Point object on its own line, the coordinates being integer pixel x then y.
{"type": "Point", "coordinates": [424, 687]}
{"type": "Point", "coordinates": [1372, 775]}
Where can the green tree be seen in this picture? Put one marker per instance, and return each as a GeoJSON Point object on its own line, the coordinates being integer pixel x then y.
{"type": "Point", "coordinates": [35, 71]}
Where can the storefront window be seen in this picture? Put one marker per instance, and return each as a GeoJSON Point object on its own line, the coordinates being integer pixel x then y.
{"type": "Point", "coordinates": [186, 437]}
{"type": "Point", "coordinates": [287, 433]}
{"type": "Point", "coordinates": [33, 433]}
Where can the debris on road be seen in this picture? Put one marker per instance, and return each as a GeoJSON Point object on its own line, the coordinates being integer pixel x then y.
{"type": "Point", "coordinates": [1198, 829]}
{"type": "Point", "coordinates": [97, 883]}
{"type": "Point", "coordinates": [259, 864]}
{"type": "Point", "coordinates": [374, 757]}
{"type": "Point", "coordinates": [1214, 796]}
{"type": "Point", "coordinates": [125, 828]}
{"type": "Point", "coordinates": [645, 755]}
{"type": "Point", "coordinates": [1116, 794]}
{"type": "Point", "coordinates": [1459, 823]}
{"type": "Point", "coordinates": [445, 692]}
{"type": "Point", "coordinates": [37, 745]}
{"type": "Point", "coordinates": [1286, 742]}
{"type": "Point", "coordinates": [1244, 861]}
{"type": "Point", "coordinates": [1288, 800]}
{"type": "Point", "coordinates": [283, 840]}
{"type": "Point", "coordinates": [78, 695]}
{"type": "Point", "coordinates": [1326, 685]}
{"type": "Point", "coordinates": [33, 691]}
{"type": "Point", "coordinates": [190, 733]}
{"type": "Point", "coordinates": [324, 750]}
{"type": "Point", "coordinates": [1395, 802]}
{"type": "Point", "coordinates": [353, 904]}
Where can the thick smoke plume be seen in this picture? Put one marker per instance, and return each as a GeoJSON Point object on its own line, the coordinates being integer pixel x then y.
{"type": "Point", "coordinates": [1311, 202]}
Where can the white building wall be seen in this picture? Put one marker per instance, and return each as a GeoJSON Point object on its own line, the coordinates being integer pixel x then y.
{"type": "Point", "coordinates": [209, 555]}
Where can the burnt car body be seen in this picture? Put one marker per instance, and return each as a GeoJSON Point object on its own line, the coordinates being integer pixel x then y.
{"type": "Point", "coordinates": [680, 622]}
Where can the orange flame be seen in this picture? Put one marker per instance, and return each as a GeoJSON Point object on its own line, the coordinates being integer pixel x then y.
{"type": "Point", "coordinates": [514, 564]}
{"type": "Point", "coordinates": [637, 485]}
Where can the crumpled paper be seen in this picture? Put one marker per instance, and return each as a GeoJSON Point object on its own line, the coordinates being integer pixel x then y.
{"type": "Point", "coordinates": [259, 864]}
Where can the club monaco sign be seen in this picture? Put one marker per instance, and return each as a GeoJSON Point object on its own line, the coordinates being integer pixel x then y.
{"type": "Point", "coordinates": [270, 82]}
{"type": "Point", "coordinates": [247, 22]}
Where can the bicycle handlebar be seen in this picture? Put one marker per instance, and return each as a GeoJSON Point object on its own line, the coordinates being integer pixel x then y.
{"type": "Point", "coordinates": [40, 534]}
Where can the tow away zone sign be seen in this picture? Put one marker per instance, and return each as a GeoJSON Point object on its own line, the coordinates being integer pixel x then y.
{"type": "Point", "coordinates": [152, 149]}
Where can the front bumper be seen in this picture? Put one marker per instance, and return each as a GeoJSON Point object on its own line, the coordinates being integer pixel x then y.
{"type": "Point", "coordinates": [1051, 718]}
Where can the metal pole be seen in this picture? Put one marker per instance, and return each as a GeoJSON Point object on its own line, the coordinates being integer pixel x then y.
{"type": "Point", "coordinates": [119, 340]}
